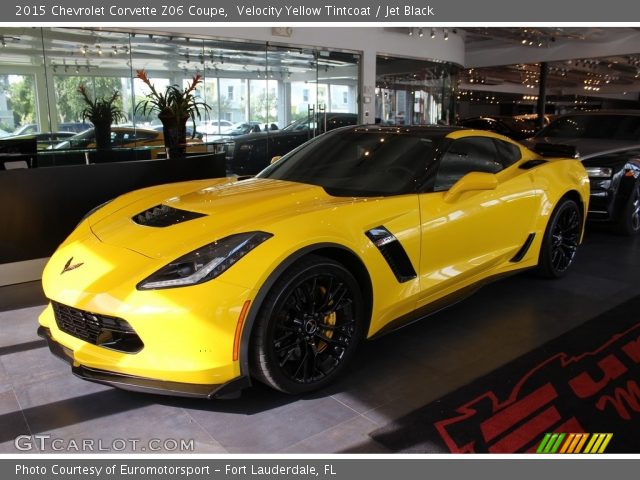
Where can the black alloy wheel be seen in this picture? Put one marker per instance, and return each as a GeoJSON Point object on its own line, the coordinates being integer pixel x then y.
{"type": "Point", "coordinates": [309, 326]}
{"type": "Point", "coordinates": [629, 223]}
{"type": "Point", "coordinates": [561, 240]}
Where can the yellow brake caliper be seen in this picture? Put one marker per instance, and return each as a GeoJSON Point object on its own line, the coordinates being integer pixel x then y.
{"type": "Point", "coordinates": [328, 320]}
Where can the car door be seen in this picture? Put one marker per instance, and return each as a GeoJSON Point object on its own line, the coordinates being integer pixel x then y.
{"type": "Point", "coordinates": [465, 237]}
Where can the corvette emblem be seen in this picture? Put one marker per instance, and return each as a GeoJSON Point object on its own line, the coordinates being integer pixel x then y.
{"type": "Point", "coordinates": [68, 267]}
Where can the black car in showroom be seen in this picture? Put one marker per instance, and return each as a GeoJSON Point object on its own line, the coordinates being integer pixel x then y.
{"type": "Point", "coordinates": [608, 143]}
{"type": "Point", "coordinates": [249, 154]}
{"type": "Point", "coordinates": [516, 127]}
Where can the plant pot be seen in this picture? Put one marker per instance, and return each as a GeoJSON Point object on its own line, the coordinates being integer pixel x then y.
{"type": "Point", "coordinates": [175, 135]}
{"type": "Point", "coordinates": [103, 135]}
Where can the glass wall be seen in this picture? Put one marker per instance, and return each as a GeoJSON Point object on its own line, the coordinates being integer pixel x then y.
{"type": "Point", "coordinates": [415, 92]}
{"type": "Point", "coordinates": [252, 86]}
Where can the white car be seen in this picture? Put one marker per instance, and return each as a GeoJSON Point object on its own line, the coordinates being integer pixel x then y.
{"type": "Point", "coordinates": [212, 127]}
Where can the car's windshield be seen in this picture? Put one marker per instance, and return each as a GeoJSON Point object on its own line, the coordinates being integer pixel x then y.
{"type": "Point", "coordinates": [79, 140]}
{"type": "Point", "coordinates": [301, 124]}
{"type": "Point", "coordinates": [359, 163]}
{"type": "Point", "coordinates": [610, 127]}
{"type": "Point", "coordinates": [240, 129]}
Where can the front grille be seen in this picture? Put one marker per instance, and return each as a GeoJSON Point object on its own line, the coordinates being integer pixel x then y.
{"type": "Point", "coordinates": [102, 330]}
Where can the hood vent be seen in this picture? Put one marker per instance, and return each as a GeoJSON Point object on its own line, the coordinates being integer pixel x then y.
{"type": "Point", "coordinates": [164, 216]}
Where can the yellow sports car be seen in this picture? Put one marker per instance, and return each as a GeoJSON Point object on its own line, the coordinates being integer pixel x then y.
{"type": "Point", "coordinates": [197, 288]}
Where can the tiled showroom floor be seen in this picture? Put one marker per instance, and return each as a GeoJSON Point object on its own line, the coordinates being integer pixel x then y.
{"type": "Point", "coordinates": [390, 377]}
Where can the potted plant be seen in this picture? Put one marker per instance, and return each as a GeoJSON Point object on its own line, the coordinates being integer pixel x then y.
{"type": "Point", "coordinates": [102, 112]}
{"type": "Point", "coordinates": [174, 106]}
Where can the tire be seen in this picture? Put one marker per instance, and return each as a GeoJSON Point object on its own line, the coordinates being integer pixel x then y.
{"type": "Point", "coordinates": [561, 240]}
{"type": "Point", "coordinates": [308, 328]}
{"type": "Point", "coordinates": [629, 222]}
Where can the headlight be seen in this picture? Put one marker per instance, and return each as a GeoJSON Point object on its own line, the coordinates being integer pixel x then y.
{"type": "Point", "coordinates": [205, 263]}
{"type": "Point", "coordinates": [599, 172]}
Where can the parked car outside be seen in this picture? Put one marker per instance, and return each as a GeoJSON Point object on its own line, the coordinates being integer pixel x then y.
{"type": "Point", "coordinates": [214, 127]}
{"type": "Point", "coordinates": [127, 137]}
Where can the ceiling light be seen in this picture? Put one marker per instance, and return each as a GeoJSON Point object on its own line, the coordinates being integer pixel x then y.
{"type": "Point", "coordinates": [411, 32]}
{"type": "Point", "coordinates": [420, 33]}
{"type": "Point", "coordinates": [433, 33]}
{"type": "Point", "coordinates": [446, 34]}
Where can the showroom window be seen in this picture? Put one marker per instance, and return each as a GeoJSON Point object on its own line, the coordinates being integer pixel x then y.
{"type": "Point", "coordinates": [18, 106]}
{"type": "Point", "coordinates": [415, 92]}
{"type": "Point", "coordinates": [244, 84]}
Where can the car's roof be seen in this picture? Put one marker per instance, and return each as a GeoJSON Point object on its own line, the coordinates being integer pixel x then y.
{"type": "Point", "coordinates": [426, 129]}
{"type": "Point", "coordinates": [603, 112]}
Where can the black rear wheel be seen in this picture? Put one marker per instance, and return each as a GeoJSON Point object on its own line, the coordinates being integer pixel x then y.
{"type": "Point", "coordinates": [309, 326]}
{"type": "Point", "coordinates": [561, 240]}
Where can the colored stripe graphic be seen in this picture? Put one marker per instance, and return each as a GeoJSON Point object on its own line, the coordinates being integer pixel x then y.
{"type": "Point", "coordinates": [570, 440]}
{"type": "Point", "coordinates": [592, 440]}
{"type": "Point", "coordinates": [579, 437]}
{"type": "Point", "coordinates": [582, 441]}
{"type": "Point", "coordinates": [574, 443]}
{"type": "Point", "coordinates": [543, 443]}
{"type": "Point", "coordinates": [608, 438]}
{"type": "Point", "coordinates": [554, 449]}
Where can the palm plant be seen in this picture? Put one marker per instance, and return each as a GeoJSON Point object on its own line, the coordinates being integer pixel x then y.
{"type": "Point", "coordinates": [174, 107]}
{"type": "Point", "coordinates": [102, 112]}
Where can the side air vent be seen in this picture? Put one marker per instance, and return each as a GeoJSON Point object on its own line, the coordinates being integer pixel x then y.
{"type": "Point", "coordinates": [523, 249]}
{"type": "Point", "coordinates": [533, 163]}
{"type": "Point", "coordinates": [393, 252]}
{"type": "Point", "coordinates": [164, 216]}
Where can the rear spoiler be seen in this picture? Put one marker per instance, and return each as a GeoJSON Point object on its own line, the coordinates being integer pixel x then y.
{"type": "Point", "coordinates": [555, 150]}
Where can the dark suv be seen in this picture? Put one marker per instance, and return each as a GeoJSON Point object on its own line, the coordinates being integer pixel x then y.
{"type": "Point", "coordinates": [608, 143]}
{"type": "Point", "coordinates": [249, 154]}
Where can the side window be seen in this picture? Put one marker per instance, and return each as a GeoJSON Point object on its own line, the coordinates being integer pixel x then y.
{"type": "Point", "coordinates": [469, 154]}
{"type": "Point", "coordinates": [508, 153]}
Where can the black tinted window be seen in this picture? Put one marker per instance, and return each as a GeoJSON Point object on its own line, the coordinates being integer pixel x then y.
{"type": "Point", "coordinates": [508, 153]}
{"type": "Point", "coordinates": [470, 154]}
{"type": "Point", "coordinates": [358, 163]}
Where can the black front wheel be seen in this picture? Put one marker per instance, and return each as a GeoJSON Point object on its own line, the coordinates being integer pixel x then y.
{"type": "Point", "coordinates": [629, 223]}
{"type": "Point", "coordinates": [309, 326]}
{"type": "Point", "coordinates": [561, 240]}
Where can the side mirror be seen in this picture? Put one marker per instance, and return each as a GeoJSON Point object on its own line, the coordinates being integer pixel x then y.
{"type": "Point", "coordinates": [275, 159]}
{"type": "Point", "coordinates": [472, 181]}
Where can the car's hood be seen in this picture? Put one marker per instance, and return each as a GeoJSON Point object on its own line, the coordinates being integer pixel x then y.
{"type": "Point", "coordinates": [587, 147]}
{"type": "Point", "coordinates": [228, 206]}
